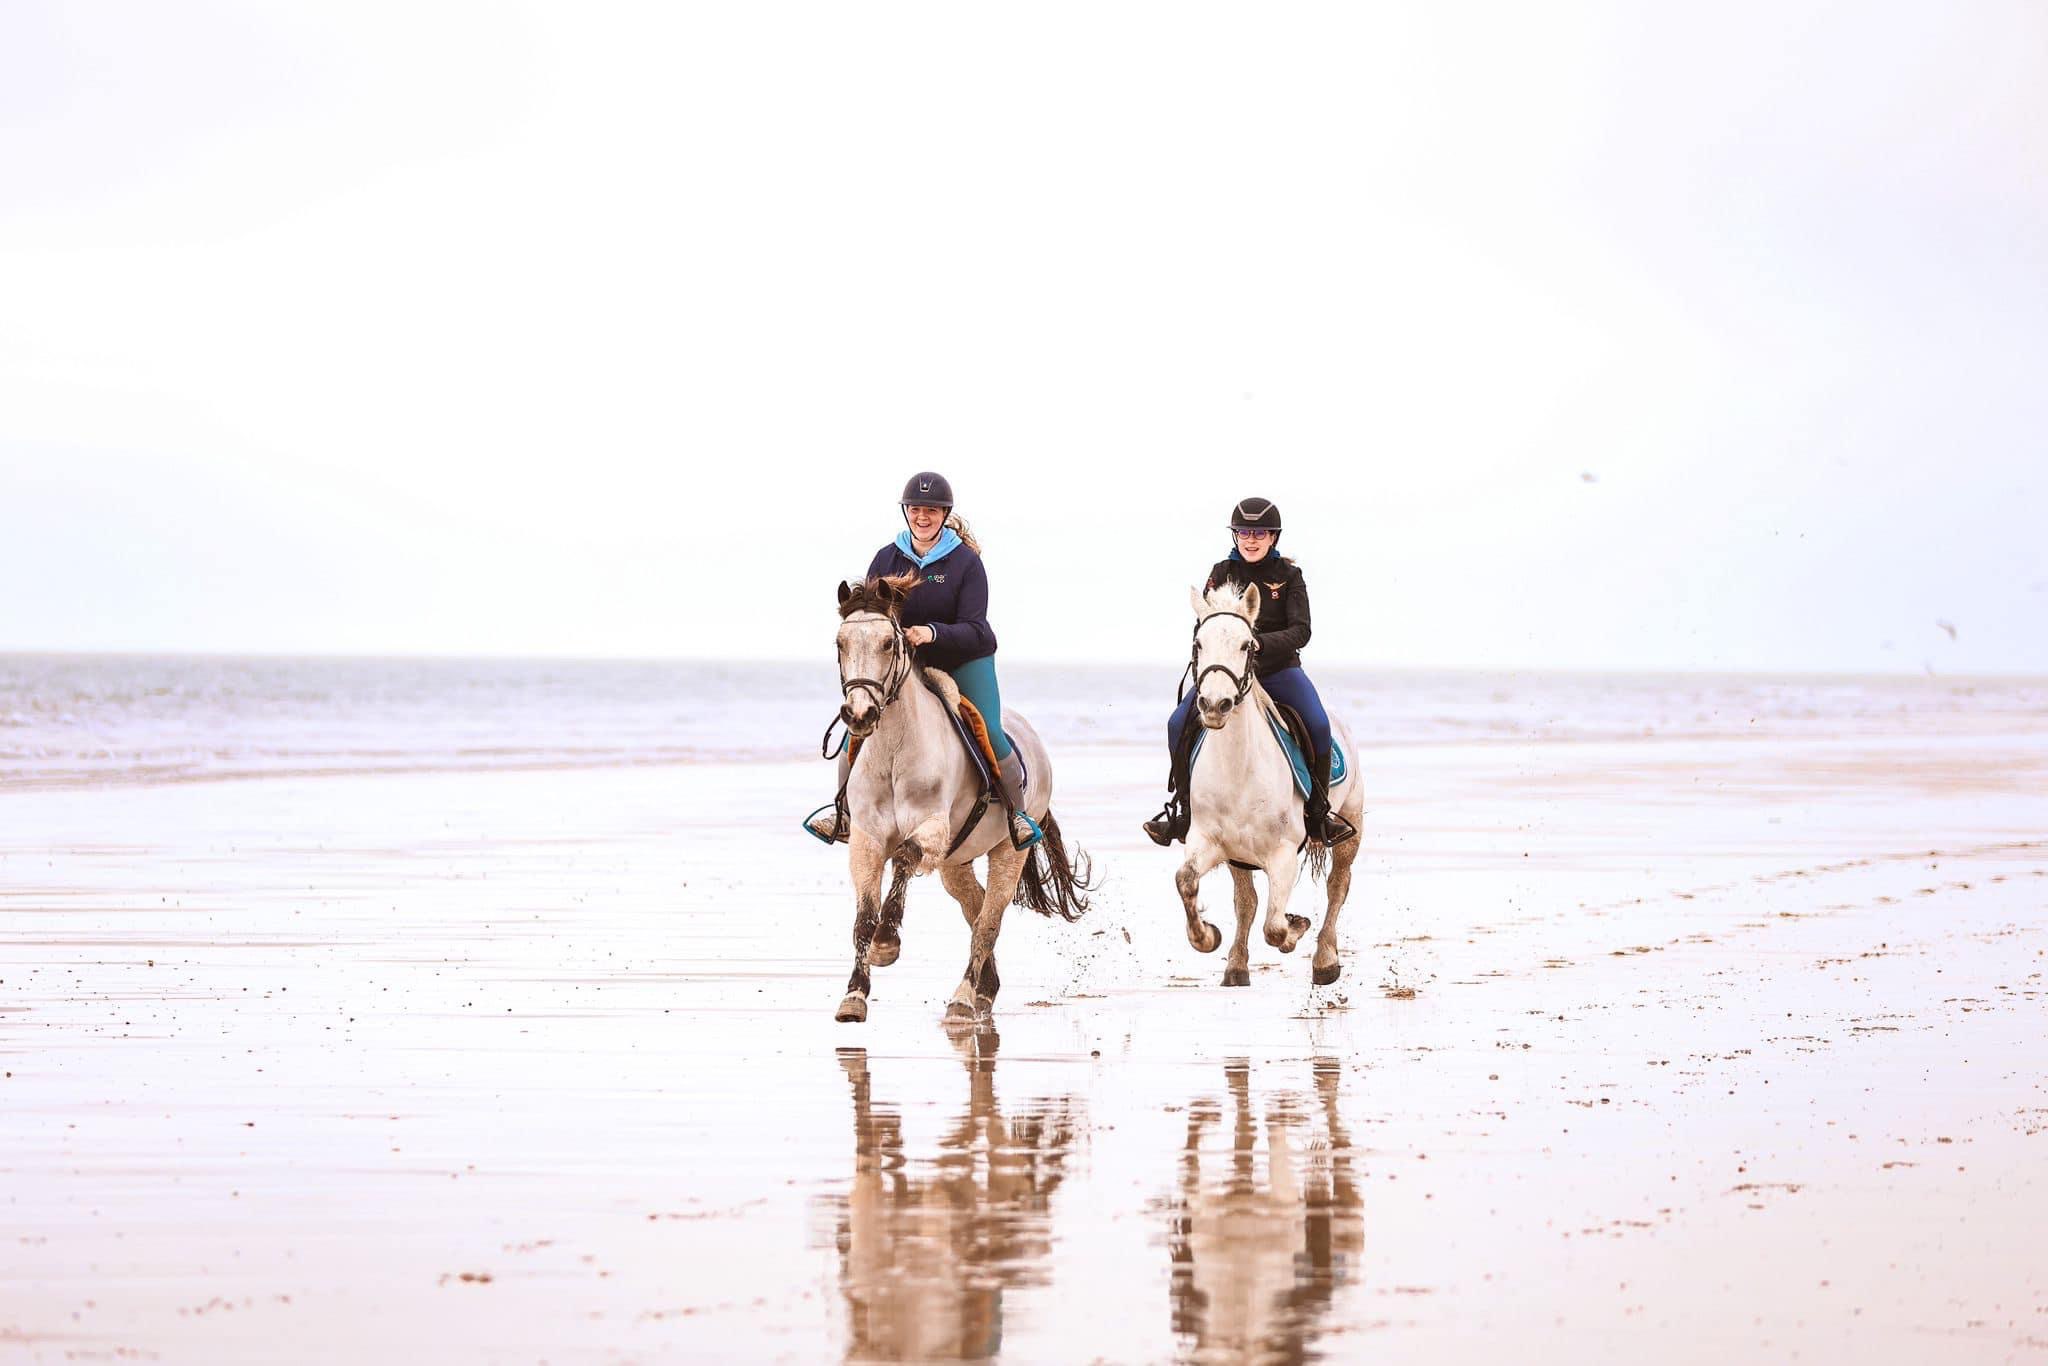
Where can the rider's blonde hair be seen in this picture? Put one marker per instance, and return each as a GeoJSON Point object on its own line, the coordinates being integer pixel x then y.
{"type": "Point", "coordinates": [959, 525]}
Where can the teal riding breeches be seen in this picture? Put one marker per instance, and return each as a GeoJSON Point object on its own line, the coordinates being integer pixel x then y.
{"type": "Point", "coordinates": [977, 680]}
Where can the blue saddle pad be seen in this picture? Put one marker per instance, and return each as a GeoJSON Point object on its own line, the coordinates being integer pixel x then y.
{"type": "Point", "coordinates": [1295, 760]}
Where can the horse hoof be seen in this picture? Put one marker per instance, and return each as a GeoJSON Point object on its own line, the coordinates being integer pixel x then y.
{"type": "Point", "coordinates": [883, 952]}
{"type": "Point", "coordinates": [853, 1009]}
{"type": "Point", "coordinates": [1211, 940]}
{"type": "Point", "coordinates": [1326, 975]}
{"type": "Point", "coordinates": [1237, 977]}
{"type": "Point", "coordinates": [1297, 927]}
{"type": "Point", "coordinates": [959, 1013]}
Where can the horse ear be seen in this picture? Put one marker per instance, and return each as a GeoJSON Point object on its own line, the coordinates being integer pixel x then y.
{"type": "Point", "coordinates": [845, 591]}
{"type": "Point", "coordinates": [1195, 597]}
{"type": "Point", "coordinates": [1250, 601]}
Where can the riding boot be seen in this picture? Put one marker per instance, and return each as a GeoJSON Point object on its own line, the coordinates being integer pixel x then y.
{"type": "Point", "coordinates": [1024, 831]}
{"type": "Point", "coordinates": [1321, 823]}
{"type": "Point", "coordinates": [1172, 821]}
{"type": "Point", "coordinates": [829, 823]}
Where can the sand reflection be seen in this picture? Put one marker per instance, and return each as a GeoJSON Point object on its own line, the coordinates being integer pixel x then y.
{"type": "Point", "coordinates": [929, 1242]}
{"type": "Point", "coordinates": [1262, 1235]}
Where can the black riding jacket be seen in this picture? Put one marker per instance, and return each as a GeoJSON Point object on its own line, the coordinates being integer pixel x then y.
{"type": "Point", "coordinates": [1282, 624]}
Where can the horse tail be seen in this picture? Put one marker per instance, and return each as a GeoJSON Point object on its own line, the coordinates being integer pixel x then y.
{"type": "Point", "coordinates": [1054, 884]}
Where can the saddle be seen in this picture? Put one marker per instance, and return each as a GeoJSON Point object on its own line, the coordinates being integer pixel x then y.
{"type": "Point", "coordinates": [1291, 733]}
{"type": "Point", "coordinates": [968, 723]}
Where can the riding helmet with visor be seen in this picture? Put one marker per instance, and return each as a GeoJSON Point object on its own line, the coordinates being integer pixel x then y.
{"type": "Point", "coordinates": [927, 489]}
{"type": "Point", "coordinates": [1256, 514]}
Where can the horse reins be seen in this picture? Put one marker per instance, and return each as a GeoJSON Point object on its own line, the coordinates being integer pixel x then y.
{"type": "Point", "coordinates": [884, 692]}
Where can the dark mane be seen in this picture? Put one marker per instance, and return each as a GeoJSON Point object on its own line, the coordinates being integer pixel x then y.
{"type": "Point", "coordinates": [882, 595]}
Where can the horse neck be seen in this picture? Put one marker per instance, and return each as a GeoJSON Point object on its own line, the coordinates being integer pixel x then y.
{"type": "Point", "coordinates": [913, 721]}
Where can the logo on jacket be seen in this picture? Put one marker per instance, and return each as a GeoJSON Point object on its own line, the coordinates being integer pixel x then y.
{"type": "Point", "coordinates": [935, 578]}
{"type": "Point", "coordinates": [1276, 587]}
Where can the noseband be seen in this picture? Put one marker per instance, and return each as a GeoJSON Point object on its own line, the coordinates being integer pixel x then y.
{"type": "Point", "coordinates": [1243, 682]}
{"type": "Point", "coordinates": [884, 691]}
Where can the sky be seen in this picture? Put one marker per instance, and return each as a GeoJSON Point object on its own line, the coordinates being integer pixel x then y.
{"type": "Point", "coordinates": [1581, 336]}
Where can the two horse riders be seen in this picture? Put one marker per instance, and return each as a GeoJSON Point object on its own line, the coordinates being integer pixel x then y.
{"type": "Point", "coordinates": [1283, 629]}
{"type": "Point", "coordinates": [945, 619]}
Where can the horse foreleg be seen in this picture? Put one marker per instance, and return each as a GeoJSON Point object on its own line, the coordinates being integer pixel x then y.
{"type": "Point", "coordinates": [1283, 931]}
{"type": "Point", "coordinates": [1339, 882]}
{"type": "Point", "coordinates": [1203, 855]}
{"type": "Point", "coordinates": [976, 994]}
{"type": "Point", "coordinates": [864, 855]}
{"type": "Point", "coordinates": [888, 941]}
{"type": "Point", "coordinates": [1237, 970]}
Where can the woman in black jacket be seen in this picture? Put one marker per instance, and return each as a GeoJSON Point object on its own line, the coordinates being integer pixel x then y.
{"type": "Point", "coordinates": [1283, 631]}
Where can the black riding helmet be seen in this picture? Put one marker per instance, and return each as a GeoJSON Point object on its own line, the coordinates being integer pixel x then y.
{"type": "Point", "coordinates": [927, 489]}
{"type": "Point", "coordinates": [1257, 514]}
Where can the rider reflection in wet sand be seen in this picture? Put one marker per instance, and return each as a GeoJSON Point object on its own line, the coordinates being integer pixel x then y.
{"type": "Point", "coordinates": [928, 1244]}
{"type": "Point", "coordinates": [1257, 1263]}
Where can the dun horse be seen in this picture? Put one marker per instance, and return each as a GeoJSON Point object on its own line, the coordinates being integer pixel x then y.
{"type": "Point", "coordinates": [915, 800]}
{"type": "Point", "coordinates": [1241, 798]}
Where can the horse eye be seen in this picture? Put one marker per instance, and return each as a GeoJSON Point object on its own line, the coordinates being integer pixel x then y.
{"type": "Point", "coordinates": [889, 646]}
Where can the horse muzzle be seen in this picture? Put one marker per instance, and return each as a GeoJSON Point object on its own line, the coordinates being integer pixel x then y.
{"type": "Point", "coordinates": [862, 720]}
{"type": "Point", "coordinates": [1213, 714]}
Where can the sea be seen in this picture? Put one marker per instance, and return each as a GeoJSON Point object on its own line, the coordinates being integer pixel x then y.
{"type": "Point", "coordinates": [87, 720]}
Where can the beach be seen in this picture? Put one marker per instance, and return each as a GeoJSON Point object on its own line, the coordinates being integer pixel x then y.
{"type": "Point", "coordinates": [1690, 1018]}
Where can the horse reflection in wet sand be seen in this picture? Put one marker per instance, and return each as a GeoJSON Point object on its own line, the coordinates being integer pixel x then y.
{"type": "Point", "coordinates": [1258, 1256]}
{"type": "Point", "coordinates": [928, 1245]}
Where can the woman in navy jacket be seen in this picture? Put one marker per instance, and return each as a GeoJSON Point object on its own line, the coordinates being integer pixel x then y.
{"type": "Point", "coordinates": [945, 619]}
{"type": "Point", "coordinates": [1283, 631]}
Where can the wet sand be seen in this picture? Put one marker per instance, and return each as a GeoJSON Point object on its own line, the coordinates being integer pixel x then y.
{"type": "Point", "coordinates": [1706, 1050]}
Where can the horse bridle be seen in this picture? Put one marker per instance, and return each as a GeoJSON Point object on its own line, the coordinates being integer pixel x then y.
{"type": "Point", "coordinates": [1244, 682]}
{"type": "Point", "coordinates": [885, 692]}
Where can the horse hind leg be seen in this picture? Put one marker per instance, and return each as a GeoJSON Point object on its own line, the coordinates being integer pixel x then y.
{"type": "Point", "coordinates": [1327, 967]}
{"type": "Point", "coordinates": [887, 945]}
{"type": "Point", "coordinates": [864, 856]}
{"type": "Point", "coordinates": [1237, 970]}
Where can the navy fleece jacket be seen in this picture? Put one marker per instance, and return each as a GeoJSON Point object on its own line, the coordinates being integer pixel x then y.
{"type": "Point", "coordinates": [952, 600]}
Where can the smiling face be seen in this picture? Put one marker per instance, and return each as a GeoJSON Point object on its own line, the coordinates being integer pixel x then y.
{"type": "Point", "coordinates": [1253, 545]}
{"type": "Point", "coordinates": [925, 522]}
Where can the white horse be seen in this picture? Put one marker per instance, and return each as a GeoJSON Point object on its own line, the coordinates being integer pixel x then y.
{"type": "Point", "coordinates": [1241, 798]}
{"type": "Point", "coordinates": [915, 799]}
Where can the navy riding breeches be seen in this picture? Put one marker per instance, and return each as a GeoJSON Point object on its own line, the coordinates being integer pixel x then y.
{"type": "Point", "coordinates": [1290, 687]}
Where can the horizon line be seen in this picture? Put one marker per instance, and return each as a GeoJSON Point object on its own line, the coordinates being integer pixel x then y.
{"type": "Point", "coordinates": [1089, 662]}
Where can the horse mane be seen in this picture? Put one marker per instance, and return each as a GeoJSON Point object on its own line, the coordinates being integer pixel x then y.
{"type": "Point", "coordinates": [881, 595]}
{"type": "Point", "coordinates": [1226, 598]}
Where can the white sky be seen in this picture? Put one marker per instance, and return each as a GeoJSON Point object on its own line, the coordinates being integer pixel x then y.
{"type": "Point", "coordinates": [614, 329]}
